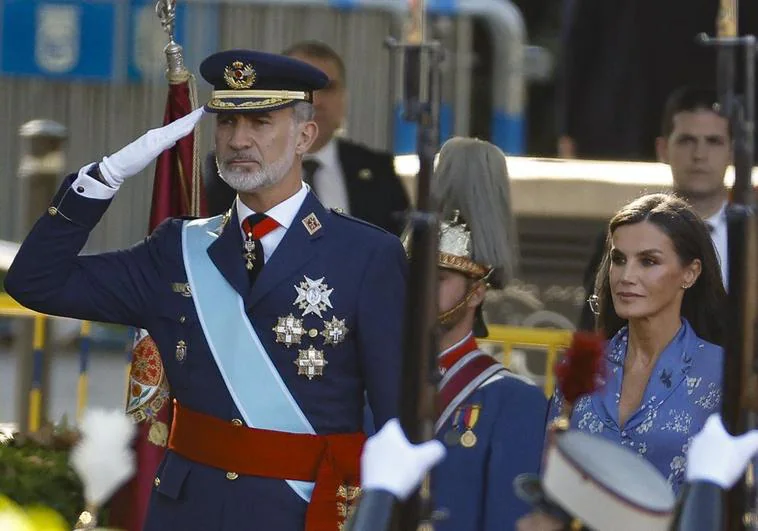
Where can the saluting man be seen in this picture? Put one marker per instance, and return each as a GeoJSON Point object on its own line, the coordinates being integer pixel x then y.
{"type": "Point", "coordinates": [273, 321]}
{"type": "Point", "coordinates": [491, 421]}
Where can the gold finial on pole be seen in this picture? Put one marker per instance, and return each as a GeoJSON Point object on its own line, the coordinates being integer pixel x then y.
{"type": "Point", "coordinates": [415, 30]}
{"type": "Point", "coordinates": [166, 11]}
{"type": "Point", "coordinates": [727, 18]}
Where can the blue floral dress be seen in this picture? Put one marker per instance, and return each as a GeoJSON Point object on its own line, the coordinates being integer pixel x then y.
{"type": "Point", "coordinates": [683, 390]}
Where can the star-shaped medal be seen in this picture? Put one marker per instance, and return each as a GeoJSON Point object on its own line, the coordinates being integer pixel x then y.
{"type": "Point", "coordinates": [310, 362]}
{"type": "Point", "coordinates": [313, 296]}
{"type": "Point", "coordinates": [334, 331]}
{"type": "Point", "coordinates": [289, 330]}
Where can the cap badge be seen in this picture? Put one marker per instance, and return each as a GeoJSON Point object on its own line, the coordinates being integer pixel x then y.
{"type": "Point", "coordinates": [239, 76]}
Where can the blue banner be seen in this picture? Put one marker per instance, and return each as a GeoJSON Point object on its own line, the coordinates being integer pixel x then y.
{"type": "Point", "coordinates": [147, 38]}
{"type": "Point", "coordinates": [62, 39]}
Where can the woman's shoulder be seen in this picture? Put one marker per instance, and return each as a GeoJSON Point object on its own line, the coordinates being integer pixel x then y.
{"type": "Point", "coordinates": [707, 356]}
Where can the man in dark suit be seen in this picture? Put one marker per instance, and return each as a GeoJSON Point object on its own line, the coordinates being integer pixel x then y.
{"type": "Point", "coordinates": [696, 143]}
{"type": "Point", "coordinates": [273, 321]}
{"type": "Point", "coordinates": [344, 175]}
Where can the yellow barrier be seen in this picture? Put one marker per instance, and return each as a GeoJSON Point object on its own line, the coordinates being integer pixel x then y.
{"type": "Point", "coordinates": [10, 308]}
{"type": "Point", "coordinates": [549, 339]}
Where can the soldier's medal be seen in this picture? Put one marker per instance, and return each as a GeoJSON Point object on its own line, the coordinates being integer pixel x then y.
{"type": "Point", "coordinates": [310, 362]}
{"type": "Point", "coordinates": [468, 439]}
{"type": "Point", "coordinates": [452, 437]}
{"type": "Point", "coordinates": [289, 330]}
{"type": "Point", "coordinates": [334, 331]}
{"type": "Point", "coordinates": [313, 296]}
{"type": "Point", "coordinates": [470, 418]}
{"type": "Point", "coordinates": [466, 418]}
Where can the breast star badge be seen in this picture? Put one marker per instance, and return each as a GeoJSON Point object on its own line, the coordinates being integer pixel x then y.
{"type": "Point", "coordinates": [313, 296]}
{"type": "Point", "coordinates": [289, 330]}
{"type": "Point", "coordinates": [334, 331]}
{"type": "Point", "coordinates": [310, 362]}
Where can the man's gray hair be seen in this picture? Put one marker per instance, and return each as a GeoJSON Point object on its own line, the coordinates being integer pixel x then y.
{"type": "Point", "coordinates": [303, 111]}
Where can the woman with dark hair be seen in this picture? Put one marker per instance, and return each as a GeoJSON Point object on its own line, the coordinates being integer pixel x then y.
{"type": "Point", "coordinates": [660, 304]}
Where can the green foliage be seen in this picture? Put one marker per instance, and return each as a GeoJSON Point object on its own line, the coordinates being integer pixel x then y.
{"type": "Point", "coordinates": [34, 470]}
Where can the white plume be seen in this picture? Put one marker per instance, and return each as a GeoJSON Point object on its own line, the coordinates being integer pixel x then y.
{"type": "Point", "coordinates": [103, 457]}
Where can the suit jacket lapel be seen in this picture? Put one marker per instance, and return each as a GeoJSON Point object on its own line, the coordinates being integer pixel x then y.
{"type": "Point", "coordinates": [223, 252]}
{"type": "Point", "coordinates": [356, 196]}
{"type": "Point", "coordinates": [296, 248]}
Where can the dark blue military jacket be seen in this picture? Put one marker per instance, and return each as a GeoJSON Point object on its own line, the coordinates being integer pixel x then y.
{"type": "Point", "coordinates": [473, 486]}
{"type": "Point", "coordinates": [365, 268]}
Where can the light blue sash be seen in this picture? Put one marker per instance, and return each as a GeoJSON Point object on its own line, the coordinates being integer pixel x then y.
{"type": "Point", "coordinates": [251, 378]}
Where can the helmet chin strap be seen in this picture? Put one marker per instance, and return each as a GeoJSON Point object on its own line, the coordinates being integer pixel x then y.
{"type": "Point", "coordinates": [451, 315]}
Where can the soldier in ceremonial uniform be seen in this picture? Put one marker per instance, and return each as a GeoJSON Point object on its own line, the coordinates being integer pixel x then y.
{"type": "Point", "coordinates": [273, 321]}
{"type": "Point", "coordinates": [491, 421]}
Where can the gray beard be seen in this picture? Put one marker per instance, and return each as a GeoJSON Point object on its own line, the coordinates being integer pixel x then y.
{"type": "Point", "coordinates": [264, 177]}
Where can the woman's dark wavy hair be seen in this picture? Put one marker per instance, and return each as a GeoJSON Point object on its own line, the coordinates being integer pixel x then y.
{"type": "Point", "coordinates": [705, 300]}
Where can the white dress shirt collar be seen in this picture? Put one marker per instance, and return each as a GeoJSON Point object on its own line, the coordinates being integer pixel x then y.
{"type": "Point", "coordinates": [283, 213]}
{"type": "Point", "coordinates": [718, 220]}
{"type": "Point", "coordinates": [327, 155]}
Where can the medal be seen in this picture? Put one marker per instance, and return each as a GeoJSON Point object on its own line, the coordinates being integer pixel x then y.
{"type": "Point", "coordinates": [334, 331]}
{"type": "Point", "coordinates": [181, 351]}
{"type": "Point", "coordinates": [289, 330]}
{"type": "Point", "coordinates": [452, 437]}
{"type": "Point", "coordinates": [313, 296]}
{"type": "Point", "coordinates": [310, 362]}
{"type": "Point", "coordinates": [249, 253]}
{"type": "Point", "coordinates": [465, 419]}
{"type": "Point", "coordinates": [468, 439]}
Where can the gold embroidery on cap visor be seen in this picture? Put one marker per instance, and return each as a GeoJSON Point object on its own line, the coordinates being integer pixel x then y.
{"type": "Point", "coordinates": [230, 100]}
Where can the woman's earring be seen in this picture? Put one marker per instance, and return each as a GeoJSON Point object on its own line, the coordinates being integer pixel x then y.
{"type": "Point", "coordinates": [594, 302]}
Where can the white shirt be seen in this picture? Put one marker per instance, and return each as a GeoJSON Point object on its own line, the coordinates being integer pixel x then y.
{"type": "Point", "coordinates": [329, 179]}
{"type": "Point", "coordinates": [719, 239]}
{"type": "Point", "coordinates": [284, 213]}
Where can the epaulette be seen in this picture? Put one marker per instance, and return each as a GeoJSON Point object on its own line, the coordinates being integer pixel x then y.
{"type": "Point", "coordinates": [342, 214]}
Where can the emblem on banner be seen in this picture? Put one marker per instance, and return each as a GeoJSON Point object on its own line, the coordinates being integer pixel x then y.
{"type": "Point", "coordinates": [310, 362]}
{"type": "Point", "coordinates": [56, 43]}
{"type": "Point", "coordinates": [148, 389]}
{"type": "Point", "coordinates": [313, 296]}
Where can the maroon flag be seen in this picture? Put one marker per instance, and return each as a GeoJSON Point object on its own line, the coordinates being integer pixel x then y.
{"type": "Point", "coordinates": [177, 191]}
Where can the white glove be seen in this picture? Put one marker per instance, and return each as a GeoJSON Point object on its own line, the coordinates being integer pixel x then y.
{"type": "Point", "coordinates": [717, 457]}
{"type": "Point", "coordinates": [390, 462]}
{"type": "Point", "coordinates": [135, 157]}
